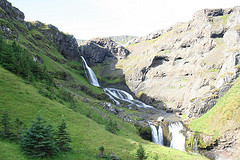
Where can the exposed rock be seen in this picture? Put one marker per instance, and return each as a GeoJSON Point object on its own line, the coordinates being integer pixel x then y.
{"type": "Point", "coordinates": [67, 44]}
{"type": "Point", "coordinates": [108, 107]}
{"type": "Point", "coordinates": [160, 119]}
{"type": "Point", "coordinates": [97, 50]}
{"type": "Point", "coordinates": [189, 65]}
{"type": "Point", "coordinates": [169, 110]}
{"type": "Point", "coordinates": [12, 12]}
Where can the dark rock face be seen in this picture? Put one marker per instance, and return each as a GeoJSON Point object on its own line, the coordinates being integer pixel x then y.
{"type": "Point", "coordinates": [11, 11]}
{"type": "Point", "coordinates": [67, 44]}
{"type": "Point", "coordinates": [97, 50]}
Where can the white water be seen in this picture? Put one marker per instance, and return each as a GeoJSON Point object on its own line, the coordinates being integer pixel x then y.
{"type": "Point", "coordinates": [178, 139]}
{"type": "Point", "coordinates": [90, 74]}
{"type": "Point", "coordinates": [157, 135]}
{"type": "Point", "coordinates": [160, 135]}
{"type": "Point", "coordinates": [195, 147]}
{"type": "Point", "coordinates": [114, 94]}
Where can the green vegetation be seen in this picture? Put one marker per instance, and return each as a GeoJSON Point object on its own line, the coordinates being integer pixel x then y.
{"type": "Point", "coordinates": [56, 88]}
{"type": "Point", "coordinates": [112, 126]}
{"type": "Point", "coordinates": [38, 141]}
{"type": "Point", "coordinates": [141, 155]}
{"type": "Point", "coordinates": [24, 101]}
{"type": "Point", "coordinates": [225, 115]}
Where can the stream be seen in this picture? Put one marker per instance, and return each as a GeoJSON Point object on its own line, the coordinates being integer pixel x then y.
{"type": "Point", "coordinates": [173, 128]}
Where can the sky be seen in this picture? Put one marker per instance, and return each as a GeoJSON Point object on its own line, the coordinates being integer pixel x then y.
{"type": "Point", "coordinates": [87, 19]}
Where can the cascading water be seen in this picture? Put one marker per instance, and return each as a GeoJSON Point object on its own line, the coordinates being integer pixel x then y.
{"type": "Point", "coordinates": [157, 134]}
{"type": "Point", "coordinates": [178, 139]}
{"type": "Point", "coordinates": [90, 74]}
{"type": "Point", "coordinates": [116, 95]}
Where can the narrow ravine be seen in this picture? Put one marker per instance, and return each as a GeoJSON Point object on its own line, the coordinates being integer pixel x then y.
{"type": "Point", "coordinates": [176, 138]}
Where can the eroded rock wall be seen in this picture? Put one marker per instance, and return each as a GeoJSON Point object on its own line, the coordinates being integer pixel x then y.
{"type": "Point", "coordinates": [190, 65]}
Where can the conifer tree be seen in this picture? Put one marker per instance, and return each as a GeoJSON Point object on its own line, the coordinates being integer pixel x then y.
{"type": "Point", "coordinates": [141, 155]}
{"type": "Point", "coordinates": [5, 123]}
{"type": "Point", "coordinates": [38, 140]}
{"type": "Point", "coordinates": [18, 126]}
{"type": "Point", "coordinates": [112, 126]}
{"type": "Point", "coordinates": [62, 137]}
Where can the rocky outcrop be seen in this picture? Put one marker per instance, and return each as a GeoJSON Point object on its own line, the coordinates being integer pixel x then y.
{"type": "Point", "coordinates": [149, 36]}
{"type": "Point", "coordinates": [67, 44]}
{"type": "Point", "coordinates": [97, 50]}
{"type": "Point", "coordinates": [11, 16]}
{"type": "Point", "coordinates": [12, 12]}
{"type": "Point", "coordinates": [189, 65]}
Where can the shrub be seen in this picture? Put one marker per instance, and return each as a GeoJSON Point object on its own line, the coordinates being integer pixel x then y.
{"type": "Point", "coordinates": [112, 127]}
{"type": "Point", "coordinates": [141, 153]}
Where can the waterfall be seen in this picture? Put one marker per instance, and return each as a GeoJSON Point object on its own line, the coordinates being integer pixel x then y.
{"type": "Point", "coordinates": [175, 132]}
{"type": "Point", "coordinates": [178, 139]}
{"type": "Point", "coordinates": [116, 95]}
{"type": "Point", "coordinates": [160, 135]}
{"type": "Point", "coordinates": [90, 74]}
{"type": "Point", "coordinates": [124, 96]}
{"type": "Point", "coordinates": [195, 147]}
{"type": "Point", "coordinates": [157, 135]}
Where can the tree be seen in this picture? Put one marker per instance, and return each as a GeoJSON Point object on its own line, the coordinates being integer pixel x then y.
{"type": "Point", "coordinates": [38, 140]}
{"type": "Point", "coordinates": [141, 155]}
{"type": "Point", "coordinates": [101, 154]}
{"type": "Point", "coordinates": [5, 123]}
{"type": "Point", "coordinates": [112, 126]}
{"type": "Point", "coordinates": [62, 137]}
{"type": "Point", "coordinates": [18, 126]}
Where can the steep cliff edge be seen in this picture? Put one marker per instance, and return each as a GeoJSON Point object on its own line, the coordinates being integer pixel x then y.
{"type": "Point", "coordinates": [189, 65]}
{"type": "Point", "coordinates": [13, 26]}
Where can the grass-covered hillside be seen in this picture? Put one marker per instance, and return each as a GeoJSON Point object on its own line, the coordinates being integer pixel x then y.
{"type": "Point", "coordinates": [223, 117]}
{"type": "Point", "coordinates": [23, 101]}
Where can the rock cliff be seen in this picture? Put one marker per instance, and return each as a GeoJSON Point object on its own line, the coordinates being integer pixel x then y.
{"type": "Point", "coordinates": [12, 24]}
{"type": "Point", "coordinates": [97, 50]}
{"type": "Point", "coordinates": [189, 65]}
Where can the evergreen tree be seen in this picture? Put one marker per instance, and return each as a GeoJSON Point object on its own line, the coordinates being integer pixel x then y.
{"type": "Point", "coordinates": [5, 123]}
{"type": "Point", "coordinates": [141, 155]}
{"type": "Point", "coordinates": [101, 154]}
{"type": "Point", "coordinates": [112, 127]}
{"type": "Point", "coordinates": [38, 140]}
{"type": "Point", "coordinates": [18, 126]}
{"type": "Point", "coordinates": [62, 137]}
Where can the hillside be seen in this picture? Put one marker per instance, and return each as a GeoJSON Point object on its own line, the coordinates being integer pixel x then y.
{"type": "Point", "coordinates": [188, 68]}
{"type": "Point", "coordinates": [41, 73]}
{"type": "Point", "coordinates": [222, 121]}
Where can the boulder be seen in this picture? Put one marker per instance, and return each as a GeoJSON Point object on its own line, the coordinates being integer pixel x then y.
{"type": "Point", "coordinates": [160, 119]}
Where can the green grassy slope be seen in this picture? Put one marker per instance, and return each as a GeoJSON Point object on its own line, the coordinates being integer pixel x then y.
{"type": "Point", "coordinates": [225, 115]}
{"type": "Point", "coordinates": [23, 101]}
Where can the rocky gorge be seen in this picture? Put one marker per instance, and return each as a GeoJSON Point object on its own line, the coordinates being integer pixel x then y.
{"type": "Point", "coordinates": [182, 71]}
{"type": "Point", "coordinates": [186, 67]}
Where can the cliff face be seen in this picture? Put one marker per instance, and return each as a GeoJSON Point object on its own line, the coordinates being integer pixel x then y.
{"type": "Point", "coordinates": [99, 49]}
{"type": "Point", "coordinates": [12, 24]}
{"type": "Point", "coordinates": [189, 65]}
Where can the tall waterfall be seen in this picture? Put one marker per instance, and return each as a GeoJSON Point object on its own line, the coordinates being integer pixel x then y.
{"type": "Point", "coordinates": [178, 139]}
{"type": "Point", "coordinates": [90, 74]}
{"type": "Point", "coordinates": [157, 135]}
{"type": "Point", "coordinates": [116, 95]}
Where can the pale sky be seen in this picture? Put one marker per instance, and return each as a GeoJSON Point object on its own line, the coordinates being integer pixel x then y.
{"type": "Point", "coordinates": [87, 19]}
